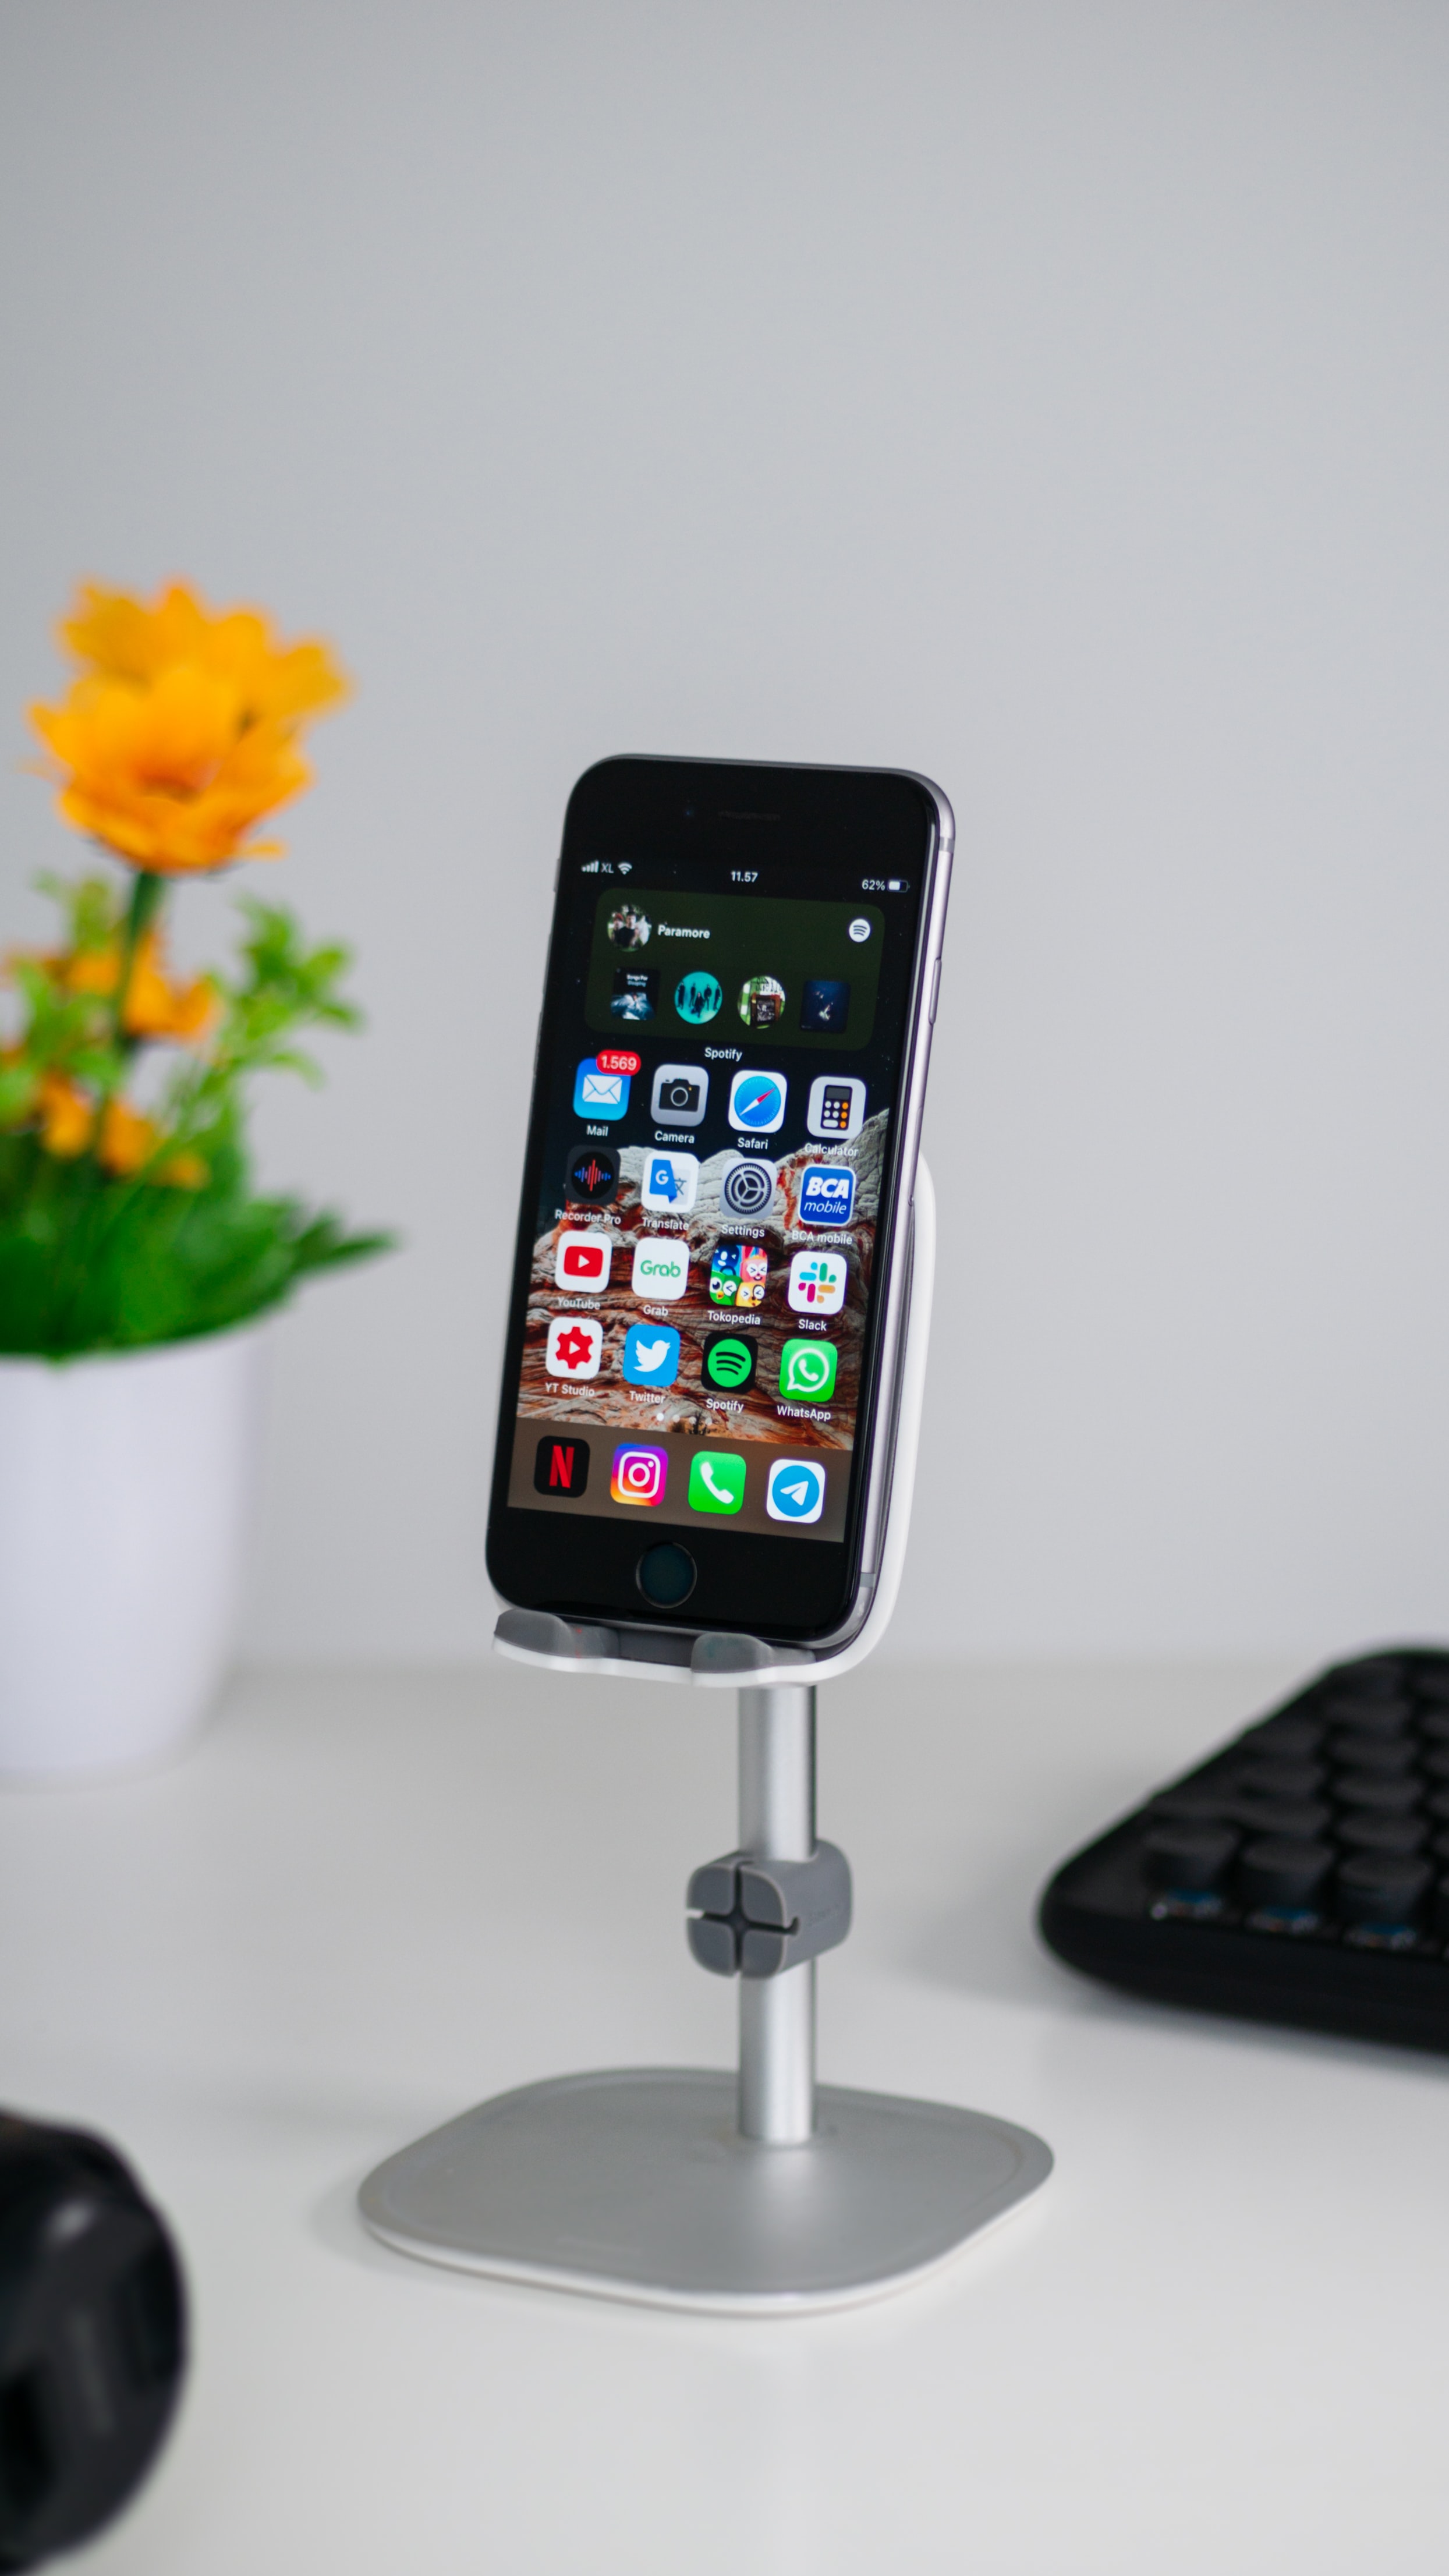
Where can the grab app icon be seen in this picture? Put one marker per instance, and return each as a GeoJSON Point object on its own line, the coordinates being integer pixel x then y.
{"type": "Point", "coordinates": [796, 1490]}
{"type": "Point", "coordinates": [639, 1474]}
{"type": "Point", "coordinates": [818, 1282]}
{"type": "Point", "coordinates": [661, 1267]}
{"type": "Point", "coordinates": [582, 1263]}
{"type": "Point", "coordinates": [575, 1346]}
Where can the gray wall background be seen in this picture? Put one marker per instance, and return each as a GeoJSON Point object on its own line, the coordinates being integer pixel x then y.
{"type": "Point", "coordinates": [1049, 396]}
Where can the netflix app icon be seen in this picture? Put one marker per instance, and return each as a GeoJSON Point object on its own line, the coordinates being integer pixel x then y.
{"type": "Point", "coordinates": [561, 1465]}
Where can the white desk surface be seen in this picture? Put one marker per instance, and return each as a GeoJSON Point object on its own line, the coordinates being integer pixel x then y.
{"type": "Point", "coordinates": [1217, 2341]}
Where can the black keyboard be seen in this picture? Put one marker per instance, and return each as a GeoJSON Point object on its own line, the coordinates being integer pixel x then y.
{"type": "Point", "coordinates": [1300, 1875]}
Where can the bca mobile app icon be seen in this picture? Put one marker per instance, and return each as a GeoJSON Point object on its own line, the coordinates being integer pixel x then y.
{"type": "Point", "coordinates": [639, 1474]}
{"type": "Point", "coordinates": [827, 1194]}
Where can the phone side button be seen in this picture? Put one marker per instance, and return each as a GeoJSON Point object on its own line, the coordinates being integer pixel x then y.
{"type": "Point", "coordinates": [935, 994]}
{"type": "Point", "coordinates": [666, 1575]}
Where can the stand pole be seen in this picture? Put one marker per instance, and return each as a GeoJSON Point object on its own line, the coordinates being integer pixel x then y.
{"type": "Point", "coordinates": [777, 1822]}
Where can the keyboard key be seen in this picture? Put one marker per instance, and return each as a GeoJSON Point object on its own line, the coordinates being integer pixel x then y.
{"type": "Point", "coordinates": [1279, 1780]}
{"type": "Point", "coordinates": [1193, 1858]}
{"type": "Point", "coordinates": [1302, 1819]}
{"type": "Point", "coordinates": [1360, 1752]}
{"type": "Point", "coordinates": [1278, 1871]}
{"type": "Point", "coordinates": [1362, 1831]}
{"type": "Point", "coordinates": [1384, 1893]}
{"type": "Point", "coordinates": [1387, 1795]}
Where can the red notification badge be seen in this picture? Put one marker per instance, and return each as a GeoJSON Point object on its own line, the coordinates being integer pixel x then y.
{"type": "Point", "coordinates": [618, 1060]}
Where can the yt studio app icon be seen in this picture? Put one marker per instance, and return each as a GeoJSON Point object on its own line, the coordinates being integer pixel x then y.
{"type": "Point", "coordinates": [598, 1094]}
{"type": "Point", "coordinates": [582, 1263]}
{"type": "Point", "coordinates": [837, 1107]}
{"type": "Point", "coordinates": [827, 1194]}
{"type": "Point", "coordinates": [661, 1267]}
{"type": "Point", "coordinates": [807, 1371]}
{"type": "Point", "coordinates": [680, 1096]}
{"type": "Point", "coordinates": [669, 1183]}
{"type": "Point", "coordinates": [651, 1355]}
{"type": "Point", "coordinates": [757, 1102]}
{"type": "Point", "coordinates": [639, 1474]}
{"type": "Point", "coordinates": [818, 1282]}
{"type": "Point", "coordinates": [575, 1346]}
{"type": "Point", "coordinates": [796, 1490]}
{"type": "Point", "coordinates": [748, 1186]}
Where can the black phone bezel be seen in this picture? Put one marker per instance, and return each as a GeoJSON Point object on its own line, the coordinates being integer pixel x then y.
{"type": "Point", "coordinates": [883, 821]}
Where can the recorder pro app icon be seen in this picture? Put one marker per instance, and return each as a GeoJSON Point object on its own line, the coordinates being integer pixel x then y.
{"type": "Point", "coordinates": [639, 1474]}
{"type": "Point", "coordinates": [575, 1346]}
{"type": "Point", "coordinates": [582, 1263]}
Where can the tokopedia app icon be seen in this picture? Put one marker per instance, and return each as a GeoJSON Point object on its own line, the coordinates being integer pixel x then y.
{"type": "Point", "coordinates": [807, 1371]}
{"type": "Point", "coordinates": [661, 1267]}
{"type": "Point", "coordinates": [716, 1481]}
{"type": "Point", "coordinates": [729, 1361]}
{"type": "Point", "coordinates": [757, 1102]}
{"type": "Point", "coordinates": [651, 1355]}
{"type": "Point", "coordinates": [796, 1490]}
{"type": "Point", "coordinates": [639, 1474]}
{"type": "Point", "coordinates": [827, 1194]}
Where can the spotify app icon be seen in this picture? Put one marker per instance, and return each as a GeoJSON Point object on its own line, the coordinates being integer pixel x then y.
{"type": "Point", "coordinates": [807, 1371]}
{"type": "Point", "coordinates": [729, 1362]}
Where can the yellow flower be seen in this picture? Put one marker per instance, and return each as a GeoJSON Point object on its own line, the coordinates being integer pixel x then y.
{"type": "Point", "coordinates": [128, 1140]}
{"type": "Point", "coordinates": [66, 1117]}
{"type": "Point", "coordinates": [180, 734]}
{"type": "Point", "coordinates": [116, 637]}
{"type": "Point", "coordinates": [155, 1007]}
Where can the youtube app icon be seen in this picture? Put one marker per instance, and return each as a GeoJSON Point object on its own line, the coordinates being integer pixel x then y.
{"type": "Point", "coordinates": [582, 1263]}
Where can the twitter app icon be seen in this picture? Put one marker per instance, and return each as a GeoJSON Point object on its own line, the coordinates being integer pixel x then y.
{"type": "Point", "coordinates": [651, 1355]}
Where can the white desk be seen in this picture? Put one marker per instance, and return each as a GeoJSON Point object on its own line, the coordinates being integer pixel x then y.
{"type": "Point", "coordinates": [1214, 2343]}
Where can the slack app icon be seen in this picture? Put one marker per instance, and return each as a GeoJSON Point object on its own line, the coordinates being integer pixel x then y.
{"type": "Point", "coordinates": [561, 1465]}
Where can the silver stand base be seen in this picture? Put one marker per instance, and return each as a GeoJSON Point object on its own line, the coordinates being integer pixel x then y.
{"type": "Point", "coordinates": [639, 2186]}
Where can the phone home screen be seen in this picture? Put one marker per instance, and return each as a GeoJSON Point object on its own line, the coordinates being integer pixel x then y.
{"type": "Point", "coordinates": [719, 1093]}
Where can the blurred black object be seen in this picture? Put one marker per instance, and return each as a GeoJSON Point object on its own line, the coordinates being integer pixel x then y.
{"type": "Point", "coordinates": [92, 2337]}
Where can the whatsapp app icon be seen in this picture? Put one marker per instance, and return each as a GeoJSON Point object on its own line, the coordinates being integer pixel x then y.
{"type": "Point", "coordinates": [807, 1371]}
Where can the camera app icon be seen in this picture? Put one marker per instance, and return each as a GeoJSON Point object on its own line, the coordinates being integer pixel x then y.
{"type": "Point", "coordinates": [680, 1095]}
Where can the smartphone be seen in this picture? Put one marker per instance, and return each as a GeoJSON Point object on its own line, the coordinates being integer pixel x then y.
{"type": "Point", "coordinates": [713, 1246]}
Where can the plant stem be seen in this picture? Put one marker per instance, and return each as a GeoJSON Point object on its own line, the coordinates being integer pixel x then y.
{"type": "Point", "coordinates": [140, 913]}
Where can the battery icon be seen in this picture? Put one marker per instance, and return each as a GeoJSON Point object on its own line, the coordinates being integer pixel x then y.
{"type": "Point", "coordinates": [895, 885]}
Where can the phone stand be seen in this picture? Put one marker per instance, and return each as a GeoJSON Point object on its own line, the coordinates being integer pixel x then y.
{"type": "Point", "coordinates": [755, 2194]}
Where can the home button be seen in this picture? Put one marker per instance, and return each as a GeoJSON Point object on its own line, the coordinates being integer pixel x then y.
{"type": "Point", "coordinates": [666, 1575]}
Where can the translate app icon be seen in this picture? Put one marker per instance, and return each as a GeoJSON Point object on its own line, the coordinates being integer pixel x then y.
{"type": "Point", "coordinates": [599, 1094]}
{"type": "Point", "coordinates": [796, 1490]}
{"type": "Point", "coordinates": [651, 1355]}
{"type": "Point", "coordinates": [669, 1182]}
{"type": "Point", "coordinates": [716, 1481]}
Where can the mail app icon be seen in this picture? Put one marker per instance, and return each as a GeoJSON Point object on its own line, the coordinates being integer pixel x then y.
{"type": "Point", "coordinates": [599, 1095]}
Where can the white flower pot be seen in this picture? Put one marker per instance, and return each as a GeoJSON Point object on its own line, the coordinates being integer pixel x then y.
{"type": "Point", "coordinates": [125, 1490]}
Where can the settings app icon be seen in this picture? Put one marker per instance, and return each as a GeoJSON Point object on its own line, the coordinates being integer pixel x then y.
{"type": "Point", "coordinates": [748, 1186]}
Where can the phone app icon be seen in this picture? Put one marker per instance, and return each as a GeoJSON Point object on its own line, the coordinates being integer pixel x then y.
{"type": "Point", "coordinates": [818, 1282]}
{"type": "Point", "coordinates": [729, 1361]}
{"type": "Point", "coordinates": [582, 1262]}
{"type": "Point", "coordinates": [748, 1187]}
{"type": "Point", "coordinates": [575, 1346]}
{"type": "Point", "coordinates": [738, 1273]}
{"type": "Point", "coordinates": [593, 1173]}
{"type": "Point", "coordinates": [661, 1268]}
{"type": "Point", "coordinates": [669, 1182]}
{"type": "Point", "coordinates": [716, 1481]}
{"type": "Point", "coordinates": [598, 1093]}
{"type": "Point", "coordinates": [757, 1102]}
{"type": "Point", "coordinates": [639, 1474]}
{"type": "Point", "coordinates": [698, 999]}
{"type": "Point", "coordinates": [796, 1490]}
{"type": "Point", "coordinates": [681, 1095]}
{"type": "Point", "coordinates": [561, 1466]}
{"type": "Point", "coordinates": [825, 1006]}
{"type": "Point", "coordinates": [837, 1106]}
{"type": "Point", "coordinates": [827, 1194]}
{"type": "Point", "coordinates": [651, 1355]}
{"type": "Point", "coordinates": [807, 1371]}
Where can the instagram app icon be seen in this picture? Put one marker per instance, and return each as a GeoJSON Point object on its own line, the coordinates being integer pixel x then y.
{"type": "Point", "coordinates": [639, 1474]}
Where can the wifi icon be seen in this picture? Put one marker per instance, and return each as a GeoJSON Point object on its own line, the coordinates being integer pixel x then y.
{"type": "Point", "coordinates": [729, 1361]}
{"type": "Point", "coordinates": [626, 867]}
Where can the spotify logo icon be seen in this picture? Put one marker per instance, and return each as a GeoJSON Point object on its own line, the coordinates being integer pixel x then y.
{"type": "Point", "coordinates": [748, 1185]}
{"type": "Point", "coordinates": [729, 1362]}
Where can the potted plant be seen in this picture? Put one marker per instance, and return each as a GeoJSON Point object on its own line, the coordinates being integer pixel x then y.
{"type": "Point", "coordinates": [136, 1254]}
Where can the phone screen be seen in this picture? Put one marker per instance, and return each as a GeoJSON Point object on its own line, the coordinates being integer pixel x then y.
{"type": "Point", "coordinates": [714, 1120]}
